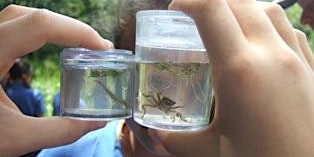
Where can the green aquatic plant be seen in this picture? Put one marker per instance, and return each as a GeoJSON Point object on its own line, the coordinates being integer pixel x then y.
{"type": "Point", "coordinates": [185, 71]}
{"type": "Point", "coordinates": [104, 72]}
{"type": "Point", "coordinates": [114, 97]}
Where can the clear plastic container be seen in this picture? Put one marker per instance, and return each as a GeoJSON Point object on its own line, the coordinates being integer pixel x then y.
{"type": "Point", "coordinates": [174, 79]}
{"type": "Point", "coordinates": [97, 85]}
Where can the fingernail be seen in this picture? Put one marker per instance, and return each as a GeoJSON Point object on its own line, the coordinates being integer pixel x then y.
{"type": "Point", "coordinates": [172, 6]}
{"type": "Point", "coordinates": [108, 44]}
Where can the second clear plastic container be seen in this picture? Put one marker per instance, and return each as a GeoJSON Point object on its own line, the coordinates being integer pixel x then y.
{"type": "Point", "coordinates": [174, 79]}
{"type": "Point", "coordinates": [97, 85]}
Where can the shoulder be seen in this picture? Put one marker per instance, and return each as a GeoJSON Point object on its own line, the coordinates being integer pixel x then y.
{"type": "Point", "coordinates": [102, 139]}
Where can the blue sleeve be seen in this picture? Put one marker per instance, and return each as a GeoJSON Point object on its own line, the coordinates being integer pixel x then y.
{"type": "Point", "coordinates": [56, 104]}
{"type": "Point", "coordinates": [39, 103]}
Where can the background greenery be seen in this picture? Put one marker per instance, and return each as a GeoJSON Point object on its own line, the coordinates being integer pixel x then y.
{"type": "Point", "coordinates": [100, 14]}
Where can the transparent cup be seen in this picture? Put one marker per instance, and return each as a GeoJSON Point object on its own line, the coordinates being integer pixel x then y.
{"type": "Point", "coordinates": [173, 72]}
{"type": "Point", "coordinates": [97, 85]}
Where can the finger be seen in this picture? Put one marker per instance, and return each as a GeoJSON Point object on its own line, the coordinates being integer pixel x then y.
{"type": "Point", "coordinates": [51, 132]}
{"type": "Point", "coordinates": [307, 52]}
{"type": "Point", "coordinates": [217, 26]}
{"type": "Point", "coordinates": [29, 32]}
{"type": "Point", "coordinates": [13, 11]}
{"type": "Point", "coordinates": [254, 22]}
{"type": "Point", "coordinates": [282, 25]}
{"type": "Point", "coordinates": [8, 133]}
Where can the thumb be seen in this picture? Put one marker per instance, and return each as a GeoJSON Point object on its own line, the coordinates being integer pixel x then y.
{"type": "Point", "coordinates": [50, 132]}
{"type": "Point", "coordinates": [58, 131]}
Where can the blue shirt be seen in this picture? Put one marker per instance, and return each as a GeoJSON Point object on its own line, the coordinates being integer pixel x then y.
{"type": "Point", "coordinates": [29, 101]}
{"type": "Point", "coordinates": [56, 104]}
{"type": "Point", "coordinates": [100, 143]}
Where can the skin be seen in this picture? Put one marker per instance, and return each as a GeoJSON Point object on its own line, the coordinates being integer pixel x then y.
{"type": "Point", "coordinates": [270, 66]}
{"type": "Point", "coordinates": [150, 141]}
{"type": "Point", "coordinates": [142, 144]}
{"type": "Point", "coordinates": [269, 51]}
{"type": "Point", "coordinates": [24, 30]}
{"type": "Point", "coordinates": [68, 130]}
{"type": "Point", "coordinates": [147, 143]}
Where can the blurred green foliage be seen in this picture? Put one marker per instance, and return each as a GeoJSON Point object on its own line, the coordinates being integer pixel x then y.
{"type": "Point", "coordinates": [101, 15]}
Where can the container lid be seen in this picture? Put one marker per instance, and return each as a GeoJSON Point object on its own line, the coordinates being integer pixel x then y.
{"type": "Point", "coordinates": [86, 56]}
{"type": "Point", "coordinates": [169, 13]}
{"type": "Point", "coordinates": [167, 29]}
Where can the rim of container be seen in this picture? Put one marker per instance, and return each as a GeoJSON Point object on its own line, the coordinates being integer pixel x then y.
{"type": "Point", "coordinates": [78, 50]}
{"type": "Point", "coordinates": [174, 13]}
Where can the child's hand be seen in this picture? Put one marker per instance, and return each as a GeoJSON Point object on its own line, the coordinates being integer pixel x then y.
{"type": "Point", "coordinates": [23, 30]}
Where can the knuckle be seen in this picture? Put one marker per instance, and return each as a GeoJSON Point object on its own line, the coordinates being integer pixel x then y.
{"type": "Point", "coordinates": [10, 9]}
{"type": "Point", "coordinates": [240, 67]}
{"type": "Point", "coordinates": [191, 6]}
{"type": "Point", "coordinates": [274, 9]}
{"type": "Point", "coordinates": [291, 62]}
{"type": "Point", "coordinates": [203, 4]}
{"type": "Point", "coordinates": [300, 34]}
{"type": "Point", "coordinates": [40, 18]}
